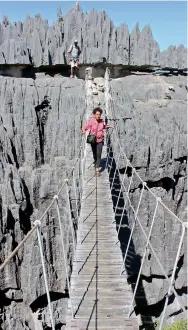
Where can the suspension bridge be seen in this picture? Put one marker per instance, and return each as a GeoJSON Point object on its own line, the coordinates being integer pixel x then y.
{"type": "Point", "coordinates": [100, 297]}
{"type": "Point", "coordinates": [99, 294]}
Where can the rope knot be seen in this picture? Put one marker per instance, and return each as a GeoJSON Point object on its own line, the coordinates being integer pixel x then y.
{"type": "Point", "coordinates": [37, 223]}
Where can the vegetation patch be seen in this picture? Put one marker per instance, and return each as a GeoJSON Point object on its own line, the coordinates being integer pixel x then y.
{"type": "Point", "coordinates": [180, 325]}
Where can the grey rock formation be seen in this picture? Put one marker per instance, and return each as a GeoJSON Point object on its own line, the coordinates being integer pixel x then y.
{"type": "Point", "coordinates": [34, 42]}
{"type": "Point", "coordinates": [144, 50]}
{"type": "Point", "coordinates": [39, 139]}
{"type": "Point", "coordinates": [152, 131]}
{"type": "Point", "coordinates": [174, 57]}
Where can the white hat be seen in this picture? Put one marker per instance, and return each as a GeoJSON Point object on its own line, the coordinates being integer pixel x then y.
{"type": "Point", "coordinates": [75, 40]}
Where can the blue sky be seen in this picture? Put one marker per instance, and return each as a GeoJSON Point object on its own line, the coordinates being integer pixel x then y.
{"type": "Point", "coordinates": [166, 18]}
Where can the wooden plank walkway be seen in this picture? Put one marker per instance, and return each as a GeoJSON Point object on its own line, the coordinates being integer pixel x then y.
{"type": "Point", "coordinates": [101, 297]}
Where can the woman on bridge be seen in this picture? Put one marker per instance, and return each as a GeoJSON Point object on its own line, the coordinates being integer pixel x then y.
{"type": "Point", "coordinates": [96, 126]}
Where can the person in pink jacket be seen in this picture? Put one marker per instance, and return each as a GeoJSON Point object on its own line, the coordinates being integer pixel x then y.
{"type": "Point", "coordinates": [98, 145]}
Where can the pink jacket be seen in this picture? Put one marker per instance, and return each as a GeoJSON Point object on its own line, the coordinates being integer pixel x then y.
{"type": "Point", "coordinates": [92, 126]}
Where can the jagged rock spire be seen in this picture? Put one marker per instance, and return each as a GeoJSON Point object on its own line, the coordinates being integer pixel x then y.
{"type": "Point", "coordinates": [59, 12]}
{"type": "Point", "coordinates": [78, 6]}
{"type": "Point", "coordinates": [97, 35]}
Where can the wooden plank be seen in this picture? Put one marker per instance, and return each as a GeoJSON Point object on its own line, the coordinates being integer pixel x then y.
{"type": "Point", "coordinates": [99, 262]}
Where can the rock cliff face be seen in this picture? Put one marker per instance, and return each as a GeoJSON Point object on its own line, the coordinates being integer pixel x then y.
{"type": "Point", "coordinates": [40, 123]}
{"type": "Point", "coordinates": [152, 130]}
{"type": "Point", "coordinates": [33, 42]}
{"type": "Point", "coordinates": [39, 137]}
{"type": "Point", "coordinates": [40, 134]}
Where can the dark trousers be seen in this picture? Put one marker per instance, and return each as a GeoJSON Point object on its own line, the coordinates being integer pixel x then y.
{"type": "Point", "coordinates": [97, 152]}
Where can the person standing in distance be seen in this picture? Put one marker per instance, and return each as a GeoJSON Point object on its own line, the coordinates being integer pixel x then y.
{"type": "Point", "coordinates": [96, 126]}
{"type": "Point", "coordinates": [74, 51]}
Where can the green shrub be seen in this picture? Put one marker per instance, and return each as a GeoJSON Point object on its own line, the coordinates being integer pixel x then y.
{"type": "Point", "coordinates": [180, 325]}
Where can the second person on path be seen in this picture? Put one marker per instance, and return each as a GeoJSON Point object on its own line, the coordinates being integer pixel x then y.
{"type": "Point", "coordinates": [96, 126]}
{"type": "Point", "coordinates": [74, 51]}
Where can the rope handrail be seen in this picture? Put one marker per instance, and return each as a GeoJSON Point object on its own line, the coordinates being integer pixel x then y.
{"type": "Point", "coordinates": [80, 161]}
{"type": "Point", "coordinates": [143, 182]}
{"type": "Point", "coordinates": [36, 224]}
{"type": "Point", "coordinates": [18, 247]}
{"type": "Point", "coordinates": [115, 157]}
